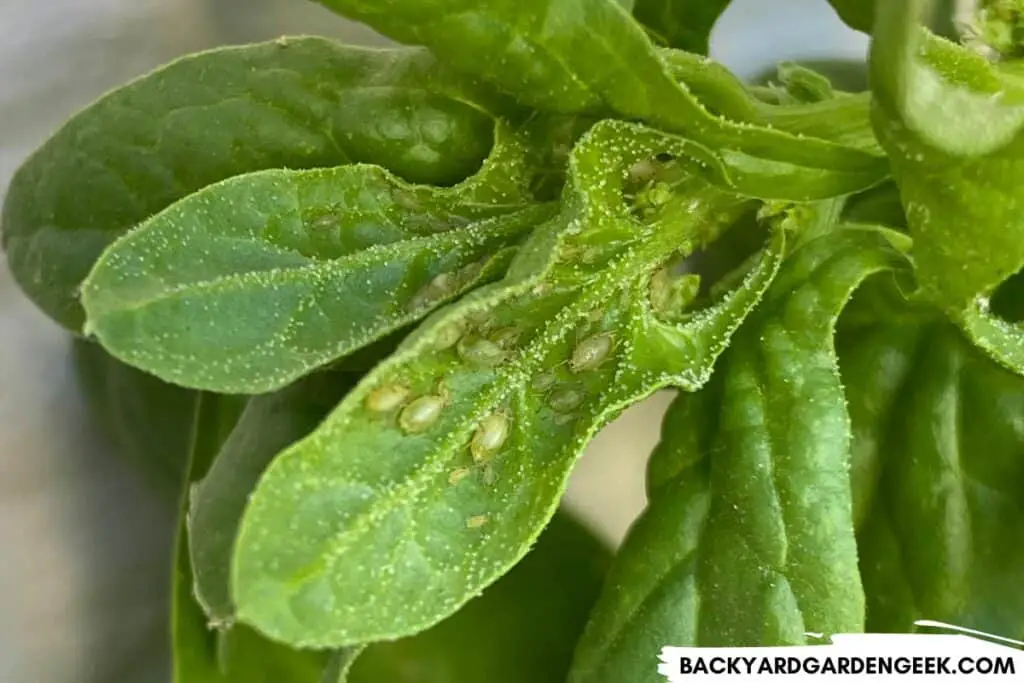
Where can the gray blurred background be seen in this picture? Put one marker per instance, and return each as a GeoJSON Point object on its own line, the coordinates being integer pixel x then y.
{"type": "Point", "coordinates": [84, 544]}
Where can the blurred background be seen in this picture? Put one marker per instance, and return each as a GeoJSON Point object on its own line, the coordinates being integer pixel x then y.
{"type": "Point", "coordinates": [84, 543]}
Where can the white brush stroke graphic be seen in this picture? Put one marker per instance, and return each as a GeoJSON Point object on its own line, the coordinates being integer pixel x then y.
{"type": "Point", "coordinates": [964, 655]}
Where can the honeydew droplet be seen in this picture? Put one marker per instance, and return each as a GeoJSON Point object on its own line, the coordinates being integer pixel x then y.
{"type": "Point", "coordinates": [490, 436]}
{"type": "Point", "coordinates": [591, 352]}
{"type": "Point", "coordinates": [386, 398]}
{"type": "Point", "coordinates": [421, 414]}
{"type": "Point", "coordinates": [481, 351]}
{"type": "Point", "coordinates": [476, 521]}
{"type": "Point", "coordinates": [565, 399]}
{"type": "Point", "coordinates": [458, 475]}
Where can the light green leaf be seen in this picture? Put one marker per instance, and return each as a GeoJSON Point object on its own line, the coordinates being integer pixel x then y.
{"type": "Point", "coordinates": [577, 56]}
{"type": "Point", "coordinates": [806, 106]}
{"type": "Point", "coordinates": [953, 99]}
{"type": "Point", "coordinates": [252, 283]}
{"type": "Point", "coordinates": [941, 533]}
{"type": "Point", "coordinates": [269, 424]}
{"type": "Point", "coordinates": [434, 476]}
{"type": "Point", "coordinates": [522, 628]}
{"type": "Point", "coordinates": [951, 123]}
{"type": "Point", "coordinates": [292, 103]}
{"type": "Point", "coordinates": [682, 24]}
{"type": "Point", "coordinates": [749, 536]}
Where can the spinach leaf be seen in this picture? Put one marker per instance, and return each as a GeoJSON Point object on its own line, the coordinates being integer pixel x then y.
{"type": "Point", "coordinates": [194, 647]}
{"type": "Point", "coordinates": [806, 105]}
{"type": "Point", "coordinates": [268, 424]}
{"type": "Point", "coordinates": [858, 14]}
{"type": "Point", "coordinates": [951, 124]}
{"type": "Point", "coordinates": [941, 532]}
{"type": "Point", "coordinates": [247, 657]}
{"type": "Point", "coordinates": [523, 628]}
{"type": "Point", "coordinates": [483, 410]}
{"type": "Point", "coordinates": [578, 56]}
{"type": "Point", "coordinates": [682, 24]}
{"type": "Point", "coordinates": [147, 421]}
{"type": "Point", "coordinates": [749, 535]}
{"type": "Point", "coordinates": [340, 665]}
{"type": "Point", "coordinates": [291, 103]}
{"type": "Point", "coordinates": [253, 282]}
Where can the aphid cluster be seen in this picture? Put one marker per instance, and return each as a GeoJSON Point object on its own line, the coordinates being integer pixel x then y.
{"type": "Point", "coordinates": [565, 397]}
{"type": "Point", "coordinates": [416, 415]}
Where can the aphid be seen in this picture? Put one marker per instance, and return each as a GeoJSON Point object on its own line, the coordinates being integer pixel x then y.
{"type": "Point", "coordinates": [469, 272]}
{"type": "Point", "coordinates": [506, 336]}
{"type": "Point", "coordinates": [480, 351]}
{"type": "Point", "coordinates": [489, 437]}
{"type": "Point", "coordinates": [670, 296]}
{"type": "Point", "coordinates": [490, 475]}
{"type": "Point", "coordinates": [421, 413]}
{"type": "Point", "coordinates": [591, 352]}
{"type": "Point", "coordinates": [443, 282]}
{"type": "Point", "coordinates": [458, 475]}
{"type": "Point", "coordinates": [386, 398]}
{"type": "Point", "coordinates": [544, 381]}
{"type": "Point", "coordinates": [642, 171]}
{"type": "Point", "coordinates": [448, 336]}
{"type": "Point", "coordinates": [476, 521]}
{"type": "Point", "coordinates": [565, 419]}
{"type": "Point", "coordinates": [565, 399]}
{"type": "Point", "coordinates": [441, 286]}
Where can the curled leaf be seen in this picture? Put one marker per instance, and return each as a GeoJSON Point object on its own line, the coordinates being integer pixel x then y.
{"type": "Point", "coordinates": [434, 476]}
{"type": "Point", "coordinates": [951, 123]}
{"type": "Point", "coordinates": [591, 56]}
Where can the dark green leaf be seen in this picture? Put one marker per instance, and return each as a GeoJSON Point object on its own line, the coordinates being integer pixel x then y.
{"type": "Point", "coordinates": [939, 442]}
{"type": "Point", "coordinates": [247, 657]}
{"type": "Point", "coordinates": [194, 646]}
{"type": "Point", "coordinates": [682, 24]}
{"type": "Point", "coordinates": [434, 476]}
{"type": "Point", "coordinates": [749, 535]}
{"type": "Point", "coordinates": [291, 103]}
{"type": "Point", "coordinates": [576, 56]}
{"type": "Point", "coordinates": [523, 628]}
{"type": "Point", "coordinates": [268, 424]}
{"type": "Point", "coordinates": [252, 283]}
{"type": "Point", "coordinates": [147, 421]}
{"type": "Point", "coordinates": [858, 14]}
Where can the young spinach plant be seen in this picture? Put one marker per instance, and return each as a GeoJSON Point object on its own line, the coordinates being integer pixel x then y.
{"type": "Point", "coordinates": [360, 311]}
